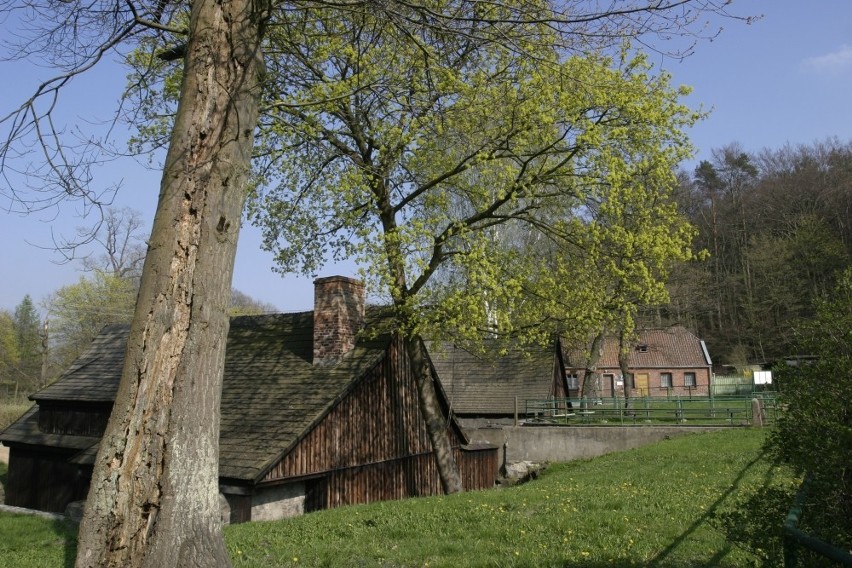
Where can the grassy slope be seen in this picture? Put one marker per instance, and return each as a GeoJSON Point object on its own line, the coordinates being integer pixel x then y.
{"type": "Point", "coordinates": [34, 542]}
{"type": "Point", "coordinates": [650, 507]}
{"type": "Point", "coordinates": [653, 506]}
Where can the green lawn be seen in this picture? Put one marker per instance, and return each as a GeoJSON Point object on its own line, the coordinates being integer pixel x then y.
{"type": "Point", "coordinates": [654, 506]}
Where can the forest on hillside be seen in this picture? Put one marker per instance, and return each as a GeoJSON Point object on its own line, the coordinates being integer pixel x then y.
{"type": "Point", "coordinates": [776, 231]}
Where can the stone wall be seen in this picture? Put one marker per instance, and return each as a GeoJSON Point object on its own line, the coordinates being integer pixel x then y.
{"type": "Point", "coordinates": [278, 502]}
{"type": "Point", "coordinates": [559, 444]}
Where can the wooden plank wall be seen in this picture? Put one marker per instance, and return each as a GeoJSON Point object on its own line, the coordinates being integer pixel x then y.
{"type": "Point", "coordinates": [374, 445]}
{"type": "Point", "coordinates": [478, 468]}
{"type": "Point", "coordinates": [414, 476]}
{"type": "Point", "coordinates": [43, 481]}
{"type": "Point", "coordinates": [78, 419]}
{"type": "Point", "coordinates": [378, 421]}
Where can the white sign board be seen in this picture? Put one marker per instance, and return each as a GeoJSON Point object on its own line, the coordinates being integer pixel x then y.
{"type": "Point", "coordinates": [763, 377]}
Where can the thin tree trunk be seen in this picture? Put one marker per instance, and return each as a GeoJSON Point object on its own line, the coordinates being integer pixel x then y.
{"type": "Point", "coordinates": [624, 366]}
{"type": "Point", "coordinates": [430, 409]}
{"type": "Point", "coordinates": [154, 498]}
{"type": "Point", "coordinates": [590, 376]}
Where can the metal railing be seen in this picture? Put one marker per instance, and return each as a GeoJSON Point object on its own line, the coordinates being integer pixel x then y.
{"type": "Point", "coordinates": [649, 410]}
{"type": "Point", "coordinates": [795, 538]}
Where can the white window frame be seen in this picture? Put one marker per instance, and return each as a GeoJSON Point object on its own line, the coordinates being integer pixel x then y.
{"type": "Point", "coordinates": [572, 381]}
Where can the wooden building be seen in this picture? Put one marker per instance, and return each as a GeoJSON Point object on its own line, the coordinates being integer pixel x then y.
{"type": "Point", "coordinates": [662, 362]}
{"type": "Point", "coordinates": [484, 388]}
{"type": "Point", "coordinates": [313, 416]}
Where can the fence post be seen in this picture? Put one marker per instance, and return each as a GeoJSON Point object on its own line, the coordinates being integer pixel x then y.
{"type": "Point", "coordinates": [516, 411]}
{"type": "Point", "coordinates": [756, 413]}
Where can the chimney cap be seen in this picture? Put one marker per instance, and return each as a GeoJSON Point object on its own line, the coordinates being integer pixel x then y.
{"type": "Point", "coordinates": [347, 279]}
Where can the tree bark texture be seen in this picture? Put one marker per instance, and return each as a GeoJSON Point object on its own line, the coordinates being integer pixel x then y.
{"type": "Point", "coordinates": [430, 409]}
{"type": "Point", "coordinates": [436, 423]}
{"type": "Point", "coordinates": [153, 500]}
{"type": "Point", "coordinates": [591, 376]}
{"type": "Point", "coordinates": [624, 346]}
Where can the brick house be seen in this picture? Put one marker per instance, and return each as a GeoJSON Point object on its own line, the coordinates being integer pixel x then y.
{"type": "Point", "coordinates": [314, 415]}
{"type": "Point", "coordinates": [662, 362]}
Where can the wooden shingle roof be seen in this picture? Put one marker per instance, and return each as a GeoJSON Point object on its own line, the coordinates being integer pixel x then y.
{"type": "Point", "coordinates": [94, 376]}
{"type": "Point", "coordinates": [666, 348]}
{"type": "Point", "coordinates": [271, 395]}
{"type": "Point", "coordinates": [477, 385]}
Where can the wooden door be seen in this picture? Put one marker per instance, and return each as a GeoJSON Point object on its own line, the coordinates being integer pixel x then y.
{"type": "Point", "coordinates": [641, 383]}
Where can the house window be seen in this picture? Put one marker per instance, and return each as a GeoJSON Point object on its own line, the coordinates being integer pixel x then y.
{"type": "Point", "coordinates": [642, 348]}
{"type": "Point", "coordinates": [666, 380]}
{"type": "Point", "coordinates": [689, 379]}
{"type": "Point", "coordinates": [572, 382]}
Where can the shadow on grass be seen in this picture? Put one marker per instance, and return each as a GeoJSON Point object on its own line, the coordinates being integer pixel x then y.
{"type": "Point", "coordinates": [66, 531]}
{"type": "Point", "coordinates": [706, 517]}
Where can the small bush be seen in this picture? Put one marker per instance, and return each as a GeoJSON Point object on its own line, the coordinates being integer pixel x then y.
{"type": "Point", "coordinates": [11, 411]}
{"type": "Point", "coordinates": [814, 434]}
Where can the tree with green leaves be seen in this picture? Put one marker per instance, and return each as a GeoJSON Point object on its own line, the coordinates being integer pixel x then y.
{"type": "Point", "coordinates": [29, 345]}
{"type": "Point", "coordinates": [412, 157]}
{"type": "Point", "coordinates": [244, 305]}
{"type": "Point", "coordinates": [79, 311]}
{"type": "Point", "coordinates": [774, 225]}
{"type": "Point", "coordinates": [9, 357]}
{"type": "Point", "coordinates": [153, 498]}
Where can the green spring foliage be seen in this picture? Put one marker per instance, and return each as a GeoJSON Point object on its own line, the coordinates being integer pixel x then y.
{"type": "Point", "coordinates": [485, 187]}
{"type": "Point", "coordinates": [814, 435]}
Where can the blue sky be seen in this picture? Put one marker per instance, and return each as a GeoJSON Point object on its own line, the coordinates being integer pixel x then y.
{"type": "Point", "coordinates": [786, 79]}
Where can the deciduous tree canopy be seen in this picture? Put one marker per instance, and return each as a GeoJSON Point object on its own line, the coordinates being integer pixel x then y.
{"type": "Point", "coordinates": [776, 226]}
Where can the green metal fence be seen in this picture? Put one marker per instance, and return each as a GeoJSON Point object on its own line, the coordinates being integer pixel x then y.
{"type": "Point", "coordinates": [731, 385]}
{"type": "Point", "coordinates": [690, 411]}
{"type": "Point", "coordinates": [722, 385]}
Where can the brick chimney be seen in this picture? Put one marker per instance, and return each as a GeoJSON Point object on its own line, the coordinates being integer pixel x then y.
{"type": "Point", "coordinates": [338, 317]}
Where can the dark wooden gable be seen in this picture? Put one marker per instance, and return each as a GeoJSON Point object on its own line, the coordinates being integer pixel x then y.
{"type": "Point", "coordinates": [273, 395]}
{"type": "Point", "coordinates": [373, 444]}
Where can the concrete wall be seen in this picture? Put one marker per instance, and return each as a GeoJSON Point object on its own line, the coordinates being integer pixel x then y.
{"type": "Point", "coordinates": [278, 502]}
{"type": "Point", "coordinates": [558, 444]}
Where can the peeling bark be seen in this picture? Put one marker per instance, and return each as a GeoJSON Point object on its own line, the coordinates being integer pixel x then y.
{"type": "Point", "coordinates": [153, 499]}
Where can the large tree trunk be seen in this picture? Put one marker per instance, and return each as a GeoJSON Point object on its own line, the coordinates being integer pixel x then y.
{"type": "Point", "coordinates": [430, 409]}
{"type": "Point", "coordinates": [153, 500]}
